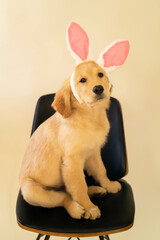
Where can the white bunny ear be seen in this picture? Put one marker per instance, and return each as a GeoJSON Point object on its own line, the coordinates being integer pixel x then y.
{"type": "Point", "coordinates": [114, 55]}
{"type": "Point", "coordinates": [78, 42]}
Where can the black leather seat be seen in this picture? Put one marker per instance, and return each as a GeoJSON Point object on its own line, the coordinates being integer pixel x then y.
{"type": "Point", "coordinates": [117, 210]}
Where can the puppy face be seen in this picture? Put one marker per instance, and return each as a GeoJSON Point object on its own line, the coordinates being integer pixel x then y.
{"type": "Point", "coordinates": [91, 83]}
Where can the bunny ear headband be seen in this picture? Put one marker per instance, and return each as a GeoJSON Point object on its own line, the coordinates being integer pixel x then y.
{"type": "Point", "coordinates": [111, 58]}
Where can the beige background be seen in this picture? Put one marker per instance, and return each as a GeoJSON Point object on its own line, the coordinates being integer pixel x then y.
{"type": "Point", "coordinates": [34, 60]}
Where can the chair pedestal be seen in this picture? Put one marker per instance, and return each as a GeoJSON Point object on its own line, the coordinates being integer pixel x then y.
{"type": "Point", "coordinates": [104, 237]}
{"type": "Point", "coordinates": [47, 237]}
{"type": "Point", "coordinates": [41, 235]}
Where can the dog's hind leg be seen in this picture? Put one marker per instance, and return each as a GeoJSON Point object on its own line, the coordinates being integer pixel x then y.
{"type": "Point", "coordinates": [36, 195]}
{"type": "Point", "coordinates": [96, 191]}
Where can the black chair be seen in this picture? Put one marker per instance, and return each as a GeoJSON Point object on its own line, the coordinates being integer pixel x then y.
{"type": "Point", "coordinates": [117, 210]}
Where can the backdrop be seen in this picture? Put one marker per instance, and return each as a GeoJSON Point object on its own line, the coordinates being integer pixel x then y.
{"type": "Point", "coordinates": [34, 60]}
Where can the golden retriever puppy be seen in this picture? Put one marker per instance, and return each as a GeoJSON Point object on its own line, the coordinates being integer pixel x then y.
{"type": "Point", "coordinates": [69, 142]}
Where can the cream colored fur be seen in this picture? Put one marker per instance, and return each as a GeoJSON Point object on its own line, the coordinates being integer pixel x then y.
{"type": "Point", "coordinates": [70, 141]}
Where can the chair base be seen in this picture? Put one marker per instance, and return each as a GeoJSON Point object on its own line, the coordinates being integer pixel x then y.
{"type": "Point", "coordinates": [104, 237]}
{"type": "Point", "coordinates": [48, 236]}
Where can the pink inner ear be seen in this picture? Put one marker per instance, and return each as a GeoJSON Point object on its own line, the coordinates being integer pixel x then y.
{"type": "Point", "coordinates": [78, 40]}
{"type": "Point", "coordinates": [116, 54]}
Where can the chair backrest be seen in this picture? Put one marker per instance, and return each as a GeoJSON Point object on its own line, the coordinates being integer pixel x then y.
{"type": "Point", "coordinates": [114, 151]}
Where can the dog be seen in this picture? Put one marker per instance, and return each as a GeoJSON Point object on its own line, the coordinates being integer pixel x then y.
{"type": "Point", "coordinates": [70, 141]}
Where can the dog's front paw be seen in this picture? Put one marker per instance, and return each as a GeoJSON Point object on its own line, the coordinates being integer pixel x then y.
{"type": "Point", "coordinates": [113, 187]}
{"type": "Point", "coordinates": [92, 212]}
{"type": "Point", "coordinates": [75, 210]}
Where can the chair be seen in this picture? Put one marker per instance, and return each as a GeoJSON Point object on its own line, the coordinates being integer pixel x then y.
{"type": "Point", "coordinates": [117, 209]}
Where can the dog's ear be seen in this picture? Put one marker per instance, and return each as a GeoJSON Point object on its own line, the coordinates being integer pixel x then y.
{"type": "Point", "coordinates": [62, 101]}
{"type": "Point", "coordinates": [114, 55]}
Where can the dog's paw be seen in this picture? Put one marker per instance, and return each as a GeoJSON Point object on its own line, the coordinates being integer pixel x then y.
{"type": "Point", "coordinates": [113, 187]}
{"type": "Point", "coordinates": [92, 213]}
{"type": "Point", "coordinates": [96, 191]}
{"type": "Point", "coordinates": [75, 210]}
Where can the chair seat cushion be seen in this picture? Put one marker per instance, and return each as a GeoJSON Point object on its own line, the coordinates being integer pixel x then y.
{"type": "Point", "coordinates": [117, 212]}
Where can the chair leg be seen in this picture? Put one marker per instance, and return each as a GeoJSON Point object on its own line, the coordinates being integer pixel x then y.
{"type": "Point", "coordinates": [71, 237]}
{"type": "Point", "coordinates": [47, 237]}
{"type": "Point", "coordinates": [101, 237]}
{"type": "Point", "coordinates": [104, 237]}
{"type": "Point", "coordinates": [39, 236]}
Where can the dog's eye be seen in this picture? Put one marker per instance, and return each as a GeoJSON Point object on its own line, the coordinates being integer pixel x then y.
{"type": "Point", "coordinates": [100, 74]}
{"type": "Point", "coordinates": [83, 80]}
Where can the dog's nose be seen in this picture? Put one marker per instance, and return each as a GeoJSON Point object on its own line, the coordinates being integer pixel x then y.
{"type": "Point", "coordinates": [98, 89]}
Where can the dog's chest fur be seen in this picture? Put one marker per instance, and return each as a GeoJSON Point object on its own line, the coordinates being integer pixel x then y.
{"type": "Point", "coordinates": [96, 131]}
{"type": "Point", "coordinates": [88, 134]}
